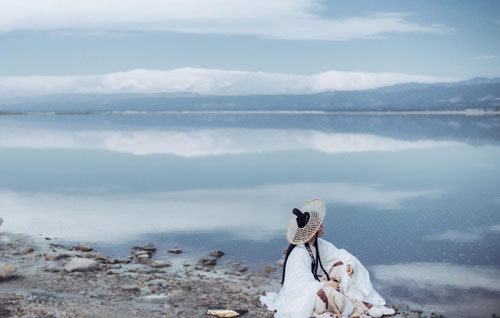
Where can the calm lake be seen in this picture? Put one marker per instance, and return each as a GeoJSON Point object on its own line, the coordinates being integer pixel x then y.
{"type": "Point", "coordinates": [415, 197]}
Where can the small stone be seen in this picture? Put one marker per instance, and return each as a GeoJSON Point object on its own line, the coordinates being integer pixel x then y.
{"type": "Point", "coordinates": [81, 265]}
{"type": "Point", "coordinates": [130, 288]}
{"type": "Point", "coordinates": [206, 261]}
{"type": "Point", "coordinates": [7, 271]}
{"type": "Point", "coordinates": [125, 260]}
{"type": "Point", "coordinates": [149, 247]}
{"type": "Point", "coordinates": [280, 262]}
{"type": "Point", "coordinates": [175, 251]}
{"type": "Point", "coordinates": [55, 257]}
{"type": "Point", "coordinates": [83, 247]}
{"type": "Point", "coordinates": [143, 256]}
{"type": "Point", "coordinates": [31, 255]}
{"type": "Point", "coordinates": [217, 254]}
{"type": "Point", "coordinates": [270, 269]}
{"type": "Point", "coordinates": [240, 267]}
{"type": "Point", "coordinates": [54, 269]}
{"type": "Point", "coordinates": [25, 251]}
{"type": "Point", "coordinates": [1, 221]}
{"type": "Point", "coordinates": [160, 264]}
{"type": "Point", "coordinates": [285, 251]}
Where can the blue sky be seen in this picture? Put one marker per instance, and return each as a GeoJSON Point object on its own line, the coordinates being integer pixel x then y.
{"type": "Point", "coordinates": [432, 40]}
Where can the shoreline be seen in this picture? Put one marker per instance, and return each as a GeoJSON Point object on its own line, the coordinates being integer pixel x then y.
{"type": "Point", "coordinates": [137, 286]}
{"type": "Point", "coordinates": [140, 285]}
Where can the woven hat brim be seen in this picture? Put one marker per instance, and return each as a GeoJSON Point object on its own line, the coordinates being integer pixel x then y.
{"type": "Point", "coordinates": [317, 210]}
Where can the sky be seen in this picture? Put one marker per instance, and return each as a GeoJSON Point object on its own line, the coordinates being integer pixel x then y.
{"type": "Point", "coordinates": [293, 46]}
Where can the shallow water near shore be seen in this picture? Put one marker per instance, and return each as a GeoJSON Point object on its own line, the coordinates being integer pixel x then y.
{"type": "Point", "coordinates": [415, 198]}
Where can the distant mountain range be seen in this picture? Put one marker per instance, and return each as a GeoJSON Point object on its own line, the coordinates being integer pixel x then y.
{"type": "Point", "coordinates": [474, 93]}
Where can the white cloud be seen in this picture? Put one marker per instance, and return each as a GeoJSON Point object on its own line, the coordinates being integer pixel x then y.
{"type": "Point", "coordinates": [431, 275]}
{"type": "Point", "coordinates": [204, 81]}
{"type": "Point", "coordinates": [282, 19]}
{"type": "Point", "coordinates": [207, 142]}
{"type": "Point", "coordinates": [105, 217]}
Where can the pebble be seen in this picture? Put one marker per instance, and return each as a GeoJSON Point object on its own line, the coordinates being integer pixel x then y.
{"type": "Point", "coordinates": [280, 262]}
{"type": "Point", "coordinates": [25, 251]}
{"type": "Point", "coordinates": [240, 267]}
{"type": "Point", "coordinates": [160, 264]}
{"type": "Point", "coordinates": [270, 269]}
{"type": "Point", "coordinates": [83, 247]}
{"type": "Point", "coordinates": [55, 257]}
{"type": "Point", "coordinates": [175, 251]}
{"type": "Point", "coordinates": [149, 247]}
{"type": "Point", "coordinates": [130, 288]}
{"type": "Point", "coordinates": [207, 261]}
{"type": "Point", "coordinates": [81, 265]}
{"type": "Point", "coordinates": [217, 254]}
{"type": "Point", "coordinates": [7, 271]}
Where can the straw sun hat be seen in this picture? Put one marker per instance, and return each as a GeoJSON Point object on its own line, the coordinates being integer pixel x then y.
{"type": "Point", "coordinates": [306, 221]}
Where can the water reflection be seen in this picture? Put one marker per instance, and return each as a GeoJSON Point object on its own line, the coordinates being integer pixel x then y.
{"type": "Point", "coordinates": [192, 143]}
{"type": "Point", "coordinates": [458, 290]}
{"type": "Point", "coordinates": [115, 217]}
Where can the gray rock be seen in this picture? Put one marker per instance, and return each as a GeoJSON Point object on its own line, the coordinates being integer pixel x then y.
{"type": "Point", "coordinates": [25, 251]}
{"type": "Point", "coordinates": [7, 271]}
{"type": "Point", "coordinates": [149, 247]}
{"type": "Point", "coordinates": [160, 264]}
{"type": "Point", "coordinates": [1, 221]}
{"type": "Point", "coordinates": [55, 257]}
{"type": "Point", "coordinates": [125, 260]}
{"type": "Point", "coordinates": [81, 265]}
{"type": "Point", "coordinates": [280, 262]}
{"type": "Point", "coordinates": [130, 288]}
{"type": "Point", "coordinates": [83, 247]}
{"type": "Point", "coordinates": [240, 267]}
{"type": "Point", "coordinates": [217, 254]}
{"type": "Point", "coordinates": [207, 261]}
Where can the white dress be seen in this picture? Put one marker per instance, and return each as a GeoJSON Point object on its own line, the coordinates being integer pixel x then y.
{"type": "Point", "coordinates": [298, 293]}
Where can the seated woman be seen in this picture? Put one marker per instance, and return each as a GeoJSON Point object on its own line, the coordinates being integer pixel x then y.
{"type": "Point", "coordinates": [320, 279]}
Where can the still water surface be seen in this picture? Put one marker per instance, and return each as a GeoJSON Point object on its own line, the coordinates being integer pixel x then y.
{"type": "Point", "coordinates": [415, 198]}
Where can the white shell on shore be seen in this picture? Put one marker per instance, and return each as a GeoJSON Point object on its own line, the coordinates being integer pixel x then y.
{"type": "Point", "coordinates": [223, 313]}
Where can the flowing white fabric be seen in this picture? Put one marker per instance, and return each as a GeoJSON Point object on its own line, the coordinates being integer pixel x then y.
{"type": "Point", "coordinates": [297, 295]}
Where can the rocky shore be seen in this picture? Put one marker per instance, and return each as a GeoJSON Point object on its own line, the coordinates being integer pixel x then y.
{"type": "Point", "coordinates": [43, 279]}
{"type": "Point", "coordinates": [39, 278]}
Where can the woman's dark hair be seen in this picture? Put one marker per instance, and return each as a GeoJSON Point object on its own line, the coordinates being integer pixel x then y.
{"type": "Point", "coordinates": [314, 264]}
{"type": "Point", "coordinates": [288, 251]}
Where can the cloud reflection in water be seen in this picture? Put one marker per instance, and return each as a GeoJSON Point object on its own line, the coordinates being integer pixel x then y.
{"type": "Point", "coordinates": [204, 142]}
{"type": "Point", "coordinates": [254, 213]}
